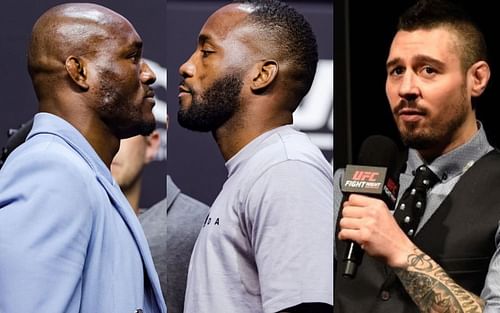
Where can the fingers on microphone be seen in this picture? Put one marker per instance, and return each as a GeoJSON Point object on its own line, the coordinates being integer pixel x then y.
{"type": "Point", "coordinates": [359, 236]}
{"type": "Point", "coordinates": [363, 200]}
{"type": "Point", "coordinates": [353, 212]}
{"type": "Point", "coordinates": [349, 223]}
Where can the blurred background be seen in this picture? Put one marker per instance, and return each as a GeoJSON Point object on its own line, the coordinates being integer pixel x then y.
{"type": "Point", "coordinates": [169, 30]}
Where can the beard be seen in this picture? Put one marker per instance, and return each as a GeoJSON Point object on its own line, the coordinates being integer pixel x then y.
{"type": "Point", "coordinates": [118, 112]}
{"type": "Point", "coordinates": [440, 131]}
{"type": "Point", "coordinates": [213, 108]}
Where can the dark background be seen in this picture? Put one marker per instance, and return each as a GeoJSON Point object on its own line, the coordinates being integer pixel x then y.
{"type": "Point", "coordinates": [363, 34]}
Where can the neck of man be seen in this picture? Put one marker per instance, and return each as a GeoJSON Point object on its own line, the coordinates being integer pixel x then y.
{"type": "Point", "coordinates": [459, 138]}
{"type": "Point", "coordinates": [235, 134]}
{"type": "Point", "coordinates": [99, 136]}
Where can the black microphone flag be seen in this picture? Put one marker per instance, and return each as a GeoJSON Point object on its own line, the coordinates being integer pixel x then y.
{"type": "Point", "coordinates": [375, 176]}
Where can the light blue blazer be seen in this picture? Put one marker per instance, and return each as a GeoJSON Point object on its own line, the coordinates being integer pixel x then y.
{"type": "Point", "coordinates": [69, 240]}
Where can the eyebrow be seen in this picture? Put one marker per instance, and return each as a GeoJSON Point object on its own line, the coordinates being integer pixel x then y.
{"type": "Point", "coordinates": [202, 38]}
{"type": "Point", "coordinates": [137, 44]}
{"type": "Point", "coordinates": [392, 62]}
{"type": "Point", "coordinates": [133, 46]}
{"type": "Point", "coordinates": [417, 59]}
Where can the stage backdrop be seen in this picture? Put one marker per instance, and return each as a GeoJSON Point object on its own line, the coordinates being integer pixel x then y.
{"type": "Point", "coordinates": [194, 160]}
{"type": "Point", "coordinates": [19, 104]}
{"type": "Point", "coordinates": [169, 30]}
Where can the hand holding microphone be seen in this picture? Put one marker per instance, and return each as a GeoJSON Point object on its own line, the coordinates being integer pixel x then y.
{"type": "Point", "coordinates": [365, 214]}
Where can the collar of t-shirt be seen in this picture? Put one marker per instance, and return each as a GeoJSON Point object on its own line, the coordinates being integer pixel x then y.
{"type": "Point", "coordinates": [252, 147]}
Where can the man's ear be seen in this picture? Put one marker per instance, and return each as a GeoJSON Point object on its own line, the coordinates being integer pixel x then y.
{"type": "Point", "coordinates": [480, 76]}
{"type": "Point", "coordinates": [265, 73]}
{"type": "Point", "coordinates": [77, 70]}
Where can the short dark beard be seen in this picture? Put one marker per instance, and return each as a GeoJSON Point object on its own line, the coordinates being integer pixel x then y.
{"type": "Point", "coordinates": [214, 107]}
{"type": "Point", "coordinates": [442, 133]}
{"type": "Point", "coordinates": [125, 120]}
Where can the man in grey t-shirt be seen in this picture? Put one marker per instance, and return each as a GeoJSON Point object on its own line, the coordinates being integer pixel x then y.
{"type": "Point", "coordinates": [267, 243]}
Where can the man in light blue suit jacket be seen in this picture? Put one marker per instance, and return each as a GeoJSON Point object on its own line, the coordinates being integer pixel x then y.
{"type": "Point", "coordinates": [69, 240]}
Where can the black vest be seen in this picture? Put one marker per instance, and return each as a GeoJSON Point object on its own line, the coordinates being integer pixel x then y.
{"type": "Point", "coordinates": [460, 236]}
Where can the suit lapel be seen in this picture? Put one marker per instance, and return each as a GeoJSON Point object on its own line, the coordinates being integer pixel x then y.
{"type": "Point", "coordinates": [127, 213]}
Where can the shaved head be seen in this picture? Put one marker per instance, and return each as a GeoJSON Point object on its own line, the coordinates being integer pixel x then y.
{"type": "Point", "coordinates": [86, 65]}
{"type": "Point", "coordinates": [64, 30]}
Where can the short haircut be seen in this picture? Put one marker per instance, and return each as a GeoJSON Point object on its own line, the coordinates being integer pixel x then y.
{"type": "Point", "coordinates": [288, 31]}
{"type": "Point", "coordinates": [429, 14]}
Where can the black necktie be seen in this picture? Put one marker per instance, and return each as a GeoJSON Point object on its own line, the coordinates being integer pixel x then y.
{"type": "Point", "coordinates": [412, 204]}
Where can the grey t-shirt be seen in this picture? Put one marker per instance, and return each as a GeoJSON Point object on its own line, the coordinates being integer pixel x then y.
{"type": "Point", "coordinates": [267, 243]}
{"type": "Point", "coordinates": [171, 227]}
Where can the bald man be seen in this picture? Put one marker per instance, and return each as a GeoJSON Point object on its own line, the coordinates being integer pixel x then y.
{"type": "Point", "coordinates": [69, 240]}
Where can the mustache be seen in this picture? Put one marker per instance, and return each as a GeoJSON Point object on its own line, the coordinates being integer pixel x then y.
{"type": "Point", "coordinates": [405, 104]}
{"type": "Point", "coordinates": [186, 86]}
{"type": "Point", "coordinates": [150, 92]}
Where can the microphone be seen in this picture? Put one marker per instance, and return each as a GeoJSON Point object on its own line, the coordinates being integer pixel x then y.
{"type": "Point", "coordinates": [377, 175]}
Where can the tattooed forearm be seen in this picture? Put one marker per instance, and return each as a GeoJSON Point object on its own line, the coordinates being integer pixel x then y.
{"type": "Point", "coordinates": [433, 290]}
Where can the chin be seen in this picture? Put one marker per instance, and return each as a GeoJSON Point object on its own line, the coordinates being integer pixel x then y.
{"type": "Point", "coordinates": [147, 128]}
{"type": "Point", "coordinates": [143, 129]}
{"type": "Point", "coordinates": [184, 105]}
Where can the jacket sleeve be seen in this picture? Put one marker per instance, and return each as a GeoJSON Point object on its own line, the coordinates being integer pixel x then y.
{"type": "Point", "coordinates": [45, 227]}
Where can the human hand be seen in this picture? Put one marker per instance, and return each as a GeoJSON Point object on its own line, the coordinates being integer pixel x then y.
{"type": "Point", "coordinates": [368, 222]}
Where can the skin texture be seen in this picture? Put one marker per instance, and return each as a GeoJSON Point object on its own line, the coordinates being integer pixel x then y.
{"type": "Point", "coordinates": [210, 110]}
{"type": "Point", "coordinates": [229, 46]}
{"type": "Point", "coordinates": [126, 168]}
{"type": "Point", "coordinates": [430, 96]}
{"type": "Point", "coordinates": [86, 66]}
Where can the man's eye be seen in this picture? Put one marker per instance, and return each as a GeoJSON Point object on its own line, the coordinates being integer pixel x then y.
{"type": "Point", "coordinates": [397, 71]}
{"type": "Point", "coordinates": [429, 70]}
{"type": "Point", "coordinates": [206, 53]}
{"type": "Point", "coordinates": [136, 56]}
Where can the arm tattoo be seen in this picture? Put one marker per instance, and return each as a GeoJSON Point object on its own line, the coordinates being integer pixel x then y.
{"type": "Point", "coordinates": [433, 290]}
